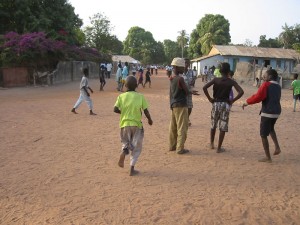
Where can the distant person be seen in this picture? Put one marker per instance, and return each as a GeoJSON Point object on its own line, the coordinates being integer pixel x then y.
{"type": "Point", "coordinates": [169, 70]}
{"type": "Point", "coordinates": [133, 70]}
{"type": "Point", "coordinates": [204, 74]}
{"type": "Point", "coordinates": [296, 90]}
{"type": "Point", "coordinates": [148, 79]}
{"type": "Point", "coordinates": [84, 94]}
{"type": "Point", "coordinates": [108, 70]}
{"type": "Point", "coordinates": [119, 77]}
{"type": "Point", "coordinates": [221, 103]}
{"type": "Point", "coordinates": [141, 76]}
{"type": "Point", "coordinates": [194, 75]}
{"type": "Point", "coordinates": [130, 106]}
{"type": "Point", "coordinates": [188, 77]}
{"type": "Point", "coordinates": [269, 94]}
{"type": "Point", "coordinates": [217, 72]}
{"type": "Point", "coordinates": [102, 73]}
{"type": "Point", "coordinates": [125, 73]}
{"type": "Point", "coordinates": [179, 108]}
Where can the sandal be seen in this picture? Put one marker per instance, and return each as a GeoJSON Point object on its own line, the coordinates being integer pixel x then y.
{"type": "Point", "coordinates": [183, 151]}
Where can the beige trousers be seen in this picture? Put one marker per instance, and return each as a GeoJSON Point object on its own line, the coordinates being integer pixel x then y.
{"type": "Point", "coordinates": [178, 128]}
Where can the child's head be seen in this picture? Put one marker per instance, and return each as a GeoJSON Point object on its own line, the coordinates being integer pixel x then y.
{"type": "Point", "coordinates": [271, 75]}
{"type": "Point", "coordinates": [224, 68]}
{"type": "Point", "coordinates": [131, 83]}
{"type": "Point", "coordinates": [86, 72]}
{"type": "Point", "coordinates": [295, 76]}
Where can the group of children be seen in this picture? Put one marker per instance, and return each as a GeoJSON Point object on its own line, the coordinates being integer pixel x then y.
{"type": "Point", "coordinates": [131, 104]}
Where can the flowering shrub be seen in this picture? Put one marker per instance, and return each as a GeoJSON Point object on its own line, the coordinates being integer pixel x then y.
{"type": "Point", "coordinates": [35, 49]}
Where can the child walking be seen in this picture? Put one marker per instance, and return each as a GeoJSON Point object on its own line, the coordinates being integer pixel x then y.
{"type": "Point", "coordinates": [84, 94]}
{"type": "Point", "coordinates": [296, 90]}
{"type": "Point", "coordinates": [130, 106]}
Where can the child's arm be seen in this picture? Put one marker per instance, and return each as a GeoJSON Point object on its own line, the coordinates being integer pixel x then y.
{"type": "Point", "coordinates": [86, 91]}
{"type": "Point", "coordinates": [147, 114]}
{"type": "Point", "coordinates": [117, 110]}
{"type": "Point", "coordinates": [91, 89]}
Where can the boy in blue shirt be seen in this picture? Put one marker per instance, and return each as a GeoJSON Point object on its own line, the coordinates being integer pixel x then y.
{"type": "Point", "coordinates": [130, 106]}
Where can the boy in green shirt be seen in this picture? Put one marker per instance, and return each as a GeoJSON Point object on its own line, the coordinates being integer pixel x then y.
{"type": "Point", "coordinates": [296, 90]}
{"type": "Point", "coordinates": [130, 106]}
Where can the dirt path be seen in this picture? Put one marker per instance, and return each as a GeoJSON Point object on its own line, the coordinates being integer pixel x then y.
{"type": "Point", "coordinates": [61, 168]}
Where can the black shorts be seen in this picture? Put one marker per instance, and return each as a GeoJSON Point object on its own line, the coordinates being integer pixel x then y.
{"type": "Point", "coordinates": [266, 125]}
{"type": "Point", "coordinates": [297, 97]}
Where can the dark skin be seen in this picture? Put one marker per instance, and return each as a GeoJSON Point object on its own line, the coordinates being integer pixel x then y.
{"type": "Point", "coordinates": [230, 102]}
{"type": "Point", "coordinates": [264, 139]}
{"type": "Point", "coordinates": [131, 85]}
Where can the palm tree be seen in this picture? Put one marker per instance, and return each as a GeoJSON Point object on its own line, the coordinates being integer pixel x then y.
{"type": "Point", "coordinates": [182, 40]}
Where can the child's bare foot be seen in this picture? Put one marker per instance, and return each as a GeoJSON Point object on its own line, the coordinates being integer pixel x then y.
{"type": "Point", "coordinates": [121, 160]}
{"type": "Point", "coordinates": [73, 111]}
{"type": "Point", "coordinates": [211, 145]}
{"type": "Point", "coordinates": [265, 160]}
{"type": "Point", "coordinates": [133, 171]}
{"type": "Point", "coordinates": [221, 150]}
{"type": "Point", "coordinates": [277, 151]}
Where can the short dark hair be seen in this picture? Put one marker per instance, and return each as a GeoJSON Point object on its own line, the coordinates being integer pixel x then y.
{"type": "Point", "coordinates": [273, 74]}
{"type": "Point", "coordinates": [131, 82]}
{"type": "Point", "coordinates": [296, 76]}
{"type": "Point", "coordinates": [86, 71]}
{"type": "Point", "coordinates": [224, 68]}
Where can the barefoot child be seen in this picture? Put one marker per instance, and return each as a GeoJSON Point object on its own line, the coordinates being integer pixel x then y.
{"type": "Point", "coordinates": [84, 94]}
{"type": "Point", "coordinates": [148, 79]}
{"type": "Point", "coordinates": [221, 103]}
{"type": "Point", "coordinates": [269, 94]}
{"type": "Point", "coordinates": [130, 105]}
{"type": "Point", "coordinates": [296, 90]}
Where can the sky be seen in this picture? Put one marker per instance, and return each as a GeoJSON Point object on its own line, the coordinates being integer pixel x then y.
{"type": "Point", "coordinates": [165, 18]}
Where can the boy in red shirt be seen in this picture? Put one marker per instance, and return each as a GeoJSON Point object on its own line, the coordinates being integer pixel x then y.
{"type": "Point", "coordinates": [269, 93]}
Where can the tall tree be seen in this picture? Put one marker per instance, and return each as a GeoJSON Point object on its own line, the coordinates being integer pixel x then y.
{"type": "Point", "coordinates": [194, 49]}
{"type": "Point", "coordinates": [54, 17]}
{"type": "Point", "coordinates": [141, 45]}
{"type": "Point", "coordinates": [182, 40]}
{"type": "Point", "coordinates": [290, 35]}
{"type": "Point", "coordinates": [270, 43]}
{"type": "Point", "coordinates": [213, 30]}
{"type": "Point", "coordinates": [171, 49]}
{"type": "Point", "coordinates": [98, 35]}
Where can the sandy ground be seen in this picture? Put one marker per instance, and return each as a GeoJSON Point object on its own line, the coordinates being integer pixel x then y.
{"type": "Point", "coordinates": [61, 168]}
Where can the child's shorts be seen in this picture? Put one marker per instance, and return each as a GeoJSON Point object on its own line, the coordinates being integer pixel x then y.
{"type": "Point", "coordinates": [297, 97]}
{"type": "Point", "coordinates": [266, 125]}
{"type": "Point", "coordinates": [220, 113]}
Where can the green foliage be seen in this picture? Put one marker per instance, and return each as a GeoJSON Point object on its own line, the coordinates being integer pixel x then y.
{"type": "Point", "coordinates": [194, 50]}
{"type": "Point", "coordinates": [141, 45]}
{"type": "Point", "coordinates": [270, 43]}
{"type": "Point", "coordinates": [54, 17]}
{"type": "Point", "coordinates": [98, 35]}
{"type": "Point", "coordinates": [290, 35]}
{"type": "Point", "coordinates": [171, 50]}
{"type": "Point", "coordinates": [212, 30]}
{"type": "Point", "coordinates": [182, 41]}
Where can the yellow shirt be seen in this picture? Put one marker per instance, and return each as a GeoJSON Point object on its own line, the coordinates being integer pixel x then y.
{"type": "Point", "coordinates": [131, 104]}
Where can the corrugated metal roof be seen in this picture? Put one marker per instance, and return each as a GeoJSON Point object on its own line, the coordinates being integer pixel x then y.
{"type": "Point", "coordinates": [124, 58]}
{"type": "Point", "coordinates": [203, 57]}
{"type": "Point", "coordinates": [257, 52]}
